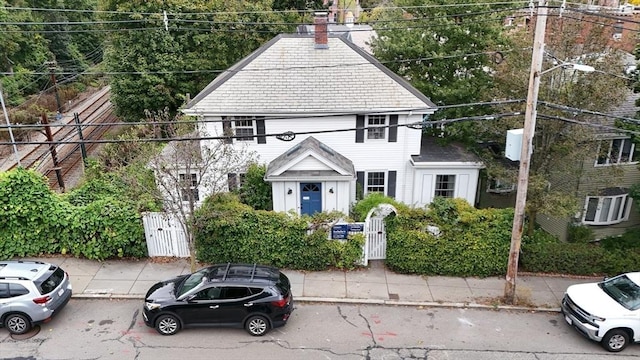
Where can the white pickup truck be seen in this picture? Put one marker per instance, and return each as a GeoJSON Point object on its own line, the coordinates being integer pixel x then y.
{"type": "Point", "coordinates": [607, 312]}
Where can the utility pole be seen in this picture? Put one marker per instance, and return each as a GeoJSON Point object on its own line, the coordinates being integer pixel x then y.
{"type": "Point", "coordinates": [52, 69]}
{"type": "Point", "coordinates": [83, 148]}
{"type": "Point", "coordinates": [6, 118]}
{"type": "Point", "coordinates": [54, 153]}
{"type": "Point", "coordinates": [525, 153]}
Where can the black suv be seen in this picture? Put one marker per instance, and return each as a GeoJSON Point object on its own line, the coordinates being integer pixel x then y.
{"type": "Point", "coordinates": [255, 297]}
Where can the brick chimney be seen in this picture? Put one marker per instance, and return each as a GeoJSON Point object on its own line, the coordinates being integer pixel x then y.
{"type": "Point", "coordinates": [320, 31]}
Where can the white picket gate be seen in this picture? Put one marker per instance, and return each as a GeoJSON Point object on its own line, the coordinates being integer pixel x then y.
{"type": "Point", "coordinates": [164, 235]}
{"type": "Point", "coordinates": [376, 236]}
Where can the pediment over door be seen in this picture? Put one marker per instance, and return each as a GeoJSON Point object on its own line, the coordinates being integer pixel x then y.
{"type": "Point", "coordinates": [310, 159]}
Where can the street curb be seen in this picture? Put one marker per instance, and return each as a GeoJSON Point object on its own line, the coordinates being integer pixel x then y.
{"type": "Point", "coordinates": [311, 300]}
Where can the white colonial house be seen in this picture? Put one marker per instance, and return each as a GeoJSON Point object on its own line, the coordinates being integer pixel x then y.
{"type": "Point", "coordinates": [325, 116]}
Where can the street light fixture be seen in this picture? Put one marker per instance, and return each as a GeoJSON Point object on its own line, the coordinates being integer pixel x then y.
{"type": "Point", "coordinates": [527, 140]}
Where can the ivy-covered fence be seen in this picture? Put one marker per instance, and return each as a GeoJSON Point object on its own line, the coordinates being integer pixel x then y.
{"type": "Point", "coordinates": [36, 221]}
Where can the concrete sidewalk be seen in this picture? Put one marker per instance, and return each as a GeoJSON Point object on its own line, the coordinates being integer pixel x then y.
{"type": "Point", "coordinates": [372, 285]}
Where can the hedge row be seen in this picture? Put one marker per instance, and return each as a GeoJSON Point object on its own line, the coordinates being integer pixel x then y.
{"type": "Point", "coordinates": [35, 221]}
{"type": "Point", "coordinates": [227, 231]}
{"type": "Point", "coordinates": [578, 259]}
{"type": "Point", "coordinates": [463, 241]}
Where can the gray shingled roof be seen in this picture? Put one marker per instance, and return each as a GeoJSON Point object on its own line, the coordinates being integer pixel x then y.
{"type": "Point", "coordinates": [317, 147]}
{"type": "Point", "coordinates": [431, 151]}
{"type": "Point", "coordinates": [288, 75]}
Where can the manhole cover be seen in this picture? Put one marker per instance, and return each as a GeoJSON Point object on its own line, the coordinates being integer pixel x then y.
{"type": "Point", "coordinates": [29, 334]}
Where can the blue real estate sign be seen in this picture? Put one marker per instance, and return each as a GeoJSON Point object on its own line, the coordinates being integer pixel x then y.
{"type": "Point", "coordinates": [341, 231]}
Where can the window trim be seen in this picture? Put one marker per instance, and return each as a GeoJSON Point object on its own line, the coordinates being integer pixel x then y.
{"type": "Point", "coordinates": [194, 187]}
{"type": "Point", "coordinates": [235, 127]}
{"type": "Point", "coordinates": [499, 186]}
{"type": "Point", "coordinates": [610, 143]}
{"type": "Point", "coordinates": [623, 211]}
{"type": "Point", "coordinates": [384, 127]}
{"type": "Point", "coordinates": [453, 190]}
{"type": "Point", "coordinates": [384, 182]}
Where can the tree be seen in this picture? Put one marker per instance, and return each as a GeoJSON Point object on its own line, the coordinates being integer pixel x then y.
{"type": "Point", "coordinates": [443, 48]}
{"type": "Point", "coordinates": [22, 53]}
{"type": "Point", "coordinates": [188, 170]}
{"type": "Point", "coordinates": [157, 64]}
{"type": "Point", "coordinates": [563, 139]}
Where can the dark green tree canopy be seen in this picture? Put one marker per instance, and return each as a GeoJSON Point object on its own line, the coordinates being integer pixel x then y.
{"type": "Point", "coordinates": [156, 63]}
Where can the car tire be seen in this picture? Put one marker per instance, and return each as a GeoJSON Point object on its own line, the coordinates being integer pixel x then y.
{"type": "Point", "coordinates": [167, 324]}
{"type": "Point", "coordinates": [615, 340]}
{"type": "Point", "coordinates": [257, 325]}
{"type": "Point", "coordinates": [17, 324]}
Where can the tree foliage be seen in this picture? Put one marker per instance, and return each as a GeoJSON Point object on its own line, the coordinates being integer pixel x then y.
{"type": "Point", "coordinates": [187, 171]}
{"type": "Point", "coordinates": [254, 191]}
{"type": "Point", "coordinates": [563, 139]}
{"type": "Point", "coordinates": [444, 51]}
{"type": "Point", "coordinates": [157, 64]}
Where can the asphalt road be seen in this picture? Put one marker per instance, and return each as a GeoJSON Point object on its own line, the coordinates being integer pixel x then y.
{"type": "Point", "coordinates": [104, 329]}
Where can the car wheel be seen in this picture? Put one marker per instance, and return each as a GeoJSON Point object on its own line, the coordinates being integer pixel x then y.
{"type": "Point", "coordinates": [17, 324]}
{"type": "Point", "coordinates": [167, 325]}
{"type": "Point", "coordinates": [615, 340]}
{"type": "Point", "coordinates": [257, 325]}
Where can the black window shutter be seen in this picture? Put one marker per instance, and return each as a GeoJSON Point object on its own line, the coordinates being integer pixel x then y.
{"type": "Point", "coordinates": [360, 178]}
{"type": "Point", "coordinates": [226, 130]}
{"type": "Point", "coordinates": [393, 128]}
{"type": "Point", "coordinates": [391, 184]}
{"type": "Point", "coordinates": [260, 128]}
{"type": "Point", "coordinates": [360, 128]}
{"type": "Point", "coordinates": [232, 181]}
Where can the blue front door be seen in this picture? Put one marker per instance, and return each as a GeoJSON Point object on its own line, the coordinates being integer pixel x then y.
{"type": "Point", "coordinates": [310, 199]}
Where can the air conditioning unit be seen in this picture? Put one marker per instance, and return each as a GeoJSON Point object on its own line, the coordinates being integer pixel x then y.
{"type": "Point", "coordinates": [514, 144]}
{"type": "Point", "coordinates": [617, 37]}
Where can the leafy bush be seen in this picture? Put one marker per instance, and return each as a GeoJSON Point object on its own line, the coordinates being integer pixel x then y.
{"type": "Point", "coordinates": [256, 192]}
{"type": "Point", "coordinates": [577, 259]}
{"type": "Point", "coordinates": [36, 221]}
{"type": "Point", "coordinates": [470, 242]}
{"type": "Point", "coordinates": [226, 230]}
{"type": "Point", "coordinates": [361, 209]}
{"type": "Point", "coordinates": [580, 234]}
{"type": "Point", "coordinates": [629, 240]}
{"type": "Point", "coordinates": [29, 214]}
{"type": "Point", "coordinates": [103, 229]}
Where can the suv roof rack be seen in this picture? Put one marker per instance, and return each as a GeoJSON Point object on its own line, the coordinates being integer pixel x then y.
{"type": "Point", "coordinates": [14, 278]}
{"type": "Point", "coordinates": [249, 272]}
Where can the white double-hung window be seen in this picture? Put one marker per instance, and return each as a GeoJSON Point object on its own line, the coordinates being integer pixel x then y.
{"type": "Point", "coordinates": [376, 127]}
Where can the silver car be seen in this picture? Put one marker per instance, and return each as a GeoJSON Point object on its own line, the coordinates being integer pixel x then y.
{"type": "Point", "coordinates": [31, 292]}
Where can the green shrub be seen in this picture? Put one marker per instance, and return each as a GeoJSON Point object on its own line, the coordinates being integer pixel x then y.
{"type": "Point", "coordinates": [226, 230]}
{"type": "Point", "coordinates": [256, 192]}
{"type": "Point", "coordinates": [580, 234]}
{"type": "Point", "coordinates": [629, 240]}
{"type": "Point", "coordinates": [360, 209]}
{"type": "Point", "coordinates": [577, 259]}
{"type": "Point", "coordinates": [35, 221]}
{"type": "Point", "coordinates": [105, 229]}
{"type": "Point", "coordinates": [471, 242]}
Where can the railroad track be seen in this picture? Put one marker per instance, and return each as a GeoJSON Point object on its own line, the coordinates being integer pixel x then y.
{"type": "Point", "coordinates": [93, 112]}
